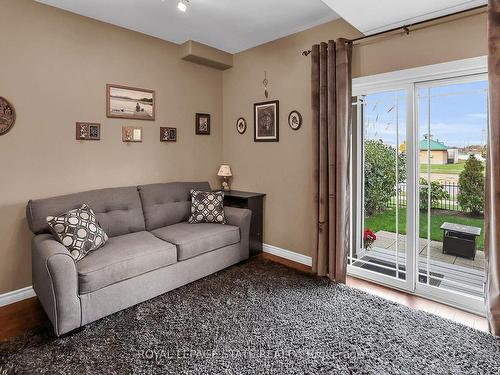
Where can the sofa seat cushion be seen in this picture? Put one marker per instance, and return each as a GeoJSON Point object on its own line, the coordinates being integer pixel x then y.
{"type": "Point", "coordinates": [122, 258]}
{"type": "Point", "coordinates": [195, 239]}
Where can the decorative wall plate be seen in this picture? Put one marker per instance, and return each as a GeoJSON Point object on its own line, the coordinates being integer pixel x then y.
{"type": "Point", "coordinates": [88, 131]}
{"type": "Point", "coordinates": [7, 116]}
{"type": "Point", "coordinates": [241, 125]}
{"type": "Point", "coordinates": [168, 134]}
{"type": "Point", "coordinates": [131, 134]}
{"type": "Point", "coordinates": [295, 120]}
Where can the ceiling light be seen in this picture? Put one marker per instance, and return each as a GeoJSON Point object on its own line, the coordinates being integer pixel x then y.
{"type": "Point", "coordinates": [182, 5]}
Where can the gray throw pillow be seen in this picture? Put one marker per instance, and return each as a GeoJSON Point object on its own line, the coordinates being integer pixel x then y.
{"type": "Point", "coordinates": [207, 207]}
{"type": "Point", "coordinates": [78, 230]}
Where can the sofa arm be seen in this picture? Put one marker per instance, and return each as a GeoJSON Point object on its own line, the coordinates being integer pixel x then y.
{"type": "Point", "coordinates": [241, 218]}
{"type": "Point", "coordinates": [55, 282]}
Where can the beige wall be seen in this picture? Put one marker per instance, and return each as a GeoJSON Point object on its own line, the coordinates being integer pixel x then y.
{"type": "Point", "coordinates": [283, 170]}
{"type": "Point", "coordinates": [53, 68]}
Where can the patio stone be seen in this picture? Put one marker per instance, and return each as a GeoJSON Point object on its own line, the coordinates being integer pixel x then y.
{"type": "Point", "coordinates": [384, 242]}
{"type": "Point", "coordinates": [387, 241]}
{"type": "Point", "coordinates": [477, 263]}
{"type": "Point", "coordinates": [386, 234]}
{"type": "Point", "coordinates": [437, 253]}
{"type": "Point", "coordinates": [401, 244]}
{"type": "Point", "coordinates": [438, 245]}
{"type": "Point", "coordinates": [421, 244]}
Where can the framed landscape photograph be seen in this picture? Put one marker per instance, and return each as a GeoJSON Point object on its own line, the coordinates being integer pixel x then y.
{"type": "Point", "coordinates": [202, 124]}
{"type": "Point", "coordinates": [168, 134]}
{"type": "Point", "coordinates": [130, 103]}
{"type": "Point", "coordinates": [266, 121]}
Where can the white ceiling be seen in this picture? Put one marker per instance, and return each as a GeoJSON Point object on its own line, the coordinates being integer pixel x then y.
{"type": "Point", "coordinates": [373, 16]}
{"type": "Point", "coordinates": [229, 25]}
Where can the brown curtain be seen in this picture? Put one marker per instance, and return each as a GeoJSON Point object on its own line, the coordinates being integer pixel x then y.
{"type": "Point", "coordinates": [492, 209]}
{"type": "Point", "coordinates": [331, 118]}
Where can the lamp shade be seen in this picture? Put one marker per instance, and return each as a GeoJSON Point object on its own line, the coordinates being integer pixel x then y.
{"type": "Point", "coordinates": [224, 171]}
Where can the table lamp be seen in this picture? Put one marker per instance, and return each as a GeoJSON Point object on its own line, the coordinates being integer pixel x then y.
{"type": "Point", "coordinates": [225, 173]}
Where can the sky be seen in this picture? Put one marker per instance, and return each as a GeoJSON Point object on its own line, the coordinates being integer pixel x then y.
{"type": "Point", "coordinates": [458, 114]}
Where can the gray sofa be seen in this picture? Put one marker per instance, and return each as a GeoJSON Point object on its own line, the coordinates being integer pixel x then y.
{"type": "Point", "coordinates": [151, 250]}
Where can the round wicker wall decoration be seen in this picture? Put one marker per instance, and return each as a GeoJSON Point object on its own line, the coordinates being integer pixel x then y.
{"type": "Point", "coordinates": [7, 116]}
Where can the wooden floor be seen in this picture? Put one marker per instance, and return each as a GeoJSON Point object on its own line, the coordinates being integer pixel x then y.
{"type": "Point", "coordinates": [19, 317]}
{"type": "Point", "coordinates": [410, 300]}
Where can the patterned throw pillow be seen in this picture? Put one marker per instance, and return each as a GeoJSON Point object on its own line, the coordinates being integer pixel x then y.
{"type": "Point", "coordinates": [78, 230]}
{"type": "Point", "coordinates": [207, 207]}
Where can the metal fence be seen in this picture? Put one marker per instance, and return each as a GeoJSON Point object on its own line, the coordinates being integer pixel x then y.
{"type": "Point", "coordinates": [450, 203]}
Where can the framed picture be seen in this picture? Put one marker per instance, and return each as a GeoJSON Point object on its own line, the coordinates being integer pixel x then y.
{"type": "Point", "coordinates": [241, 125]}
{"type": "Point", "coordinates": [88, 131]}
{"type": "Point", "coordinates": [130, 103]}
{"type": "Point", "coordinates": [266, 121]}
{"type": "Point", "coordinates": [202, 124]}
{"type": "Point", "coordinates": [168, 134]}
{"type": "Point", "coordinates": [295, 120]}
{"type": "Point", "coordinates": [131, 134]}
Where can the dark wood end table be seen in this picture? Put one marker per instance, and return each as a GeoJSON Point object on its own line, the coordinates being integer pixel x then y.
{"type": "Point", "coordinates": [255, 203]}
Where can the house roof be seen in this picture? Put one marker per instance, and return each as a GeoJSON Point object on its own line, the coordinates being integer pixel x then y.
{"type": "Point", "coordinates": [425, 144]}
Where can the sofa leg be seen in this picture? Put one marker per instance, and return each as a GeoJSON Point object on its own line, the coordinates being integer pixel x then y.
{"type": "Point", "coordinates": [71, 333]}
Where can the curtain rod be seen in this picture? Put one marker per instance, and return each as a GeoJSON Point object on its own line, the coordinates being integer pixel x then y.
{"type": "Point", "coordinates": [406, 28]}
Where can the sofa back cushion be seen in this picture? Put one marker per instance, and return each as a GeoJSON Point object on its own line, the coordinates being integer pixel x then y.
{"type": "Point", "coordinates": [118, 210]}
{"type": "Point", "coordinates": [168, 203]}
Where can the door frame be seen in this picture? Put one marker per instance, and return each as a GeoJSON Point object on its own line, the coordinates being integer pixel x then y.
{"type": "Point", "coordinates": [462, 300]}
{"type": "Point", "coordinates": [408, 283]}
{"type": "Point", "coordinates": [410, 80]}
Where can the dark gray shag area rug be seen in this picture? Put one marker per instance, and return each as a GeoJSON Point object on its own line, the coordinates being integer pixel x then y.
{"type": "Point", "coordinates": [259, 318]}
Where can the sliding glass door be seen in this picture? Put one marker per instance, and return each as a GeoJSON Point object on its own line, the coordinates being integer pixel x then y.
{"type": "Point", "coordinates": [418, 180]}
{"type": "Point", "coordinates": [452, 117]}
{"type": "Point", "coordinates": [382, 122]}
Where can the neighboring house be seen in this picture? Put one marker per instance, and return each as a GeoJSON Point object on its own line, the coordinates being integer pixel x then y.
{"type": "Point", "coordinates": [479, 151]}
{"type": "Point", "coordinates": [438, 152]}
{"type": "Point", "coordinates": [453, 155]}
{"type": "Point", "coordinates": [464, 157]}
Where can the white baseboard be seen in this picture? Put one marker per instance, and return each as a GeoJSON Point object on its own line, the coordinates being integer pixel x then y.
{"type": "Point", "coordinates": [16, 296]}
{"type": "Point", "coordinates": [28, 292]}
{"type": "Point", "coordinates": [287, 254]}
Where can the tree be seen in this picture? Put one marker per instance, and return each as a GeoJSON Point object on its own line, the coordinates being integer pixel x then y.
{"type": "Point", "coordinates": [471, 186]}
{"type": "Point", "coordinates": [380, 175]}
{"type": "Point", "coordinates": [438, 193]}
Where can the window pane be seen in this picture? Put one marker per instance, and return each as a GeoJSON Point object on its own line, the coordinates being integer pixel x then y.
{"type": "Point", "coordinates": [452, 145]}
{"type": "Point", "coordinates": [382, 236]}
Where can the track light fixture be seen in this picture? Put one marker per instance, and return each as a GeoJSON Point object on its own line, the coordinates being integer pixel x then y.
{"type": "Point", "coordinates": [182, 5]}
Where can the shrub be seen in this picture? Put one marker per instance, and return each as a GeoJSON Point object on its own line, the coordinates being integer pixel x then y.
{"type": "Point", "coordinates": [380, 175]}
{"type": "Point", "coordinates": [471, 186]}
{"type": "Point", "coordinates": [438, 193]}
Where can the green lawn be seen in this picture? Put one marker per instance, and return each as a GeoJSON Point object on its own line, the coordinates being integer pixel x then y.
{"type": "Point", "coordinates": [387, 221]}
{"type": "Point", "coordinates": [445, 168]}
